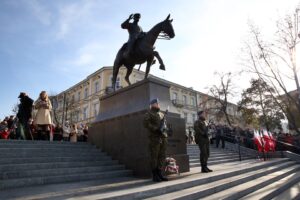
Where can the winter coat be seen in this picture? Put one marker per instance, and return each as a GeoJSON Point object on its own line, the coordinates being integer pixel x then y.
{"type": "Point", "coordinates": [43, 115]}
{"type": "Point", "coordinates": [73, 134]}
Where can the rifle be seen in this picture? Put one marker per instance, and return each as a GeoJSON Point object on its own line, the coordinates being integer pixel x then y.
{"type": "Point", "coordinates": [163, 125]}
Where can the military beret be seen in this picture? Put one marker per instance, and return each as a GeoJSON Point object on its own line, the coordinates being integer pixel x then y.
{"type": "Point", "coordinates": [153, 101]}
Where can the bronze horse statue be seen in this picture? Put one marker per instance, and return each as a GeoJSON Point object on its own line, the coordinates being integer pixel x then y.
{"type": "Point", "coordinates": [143, 51]}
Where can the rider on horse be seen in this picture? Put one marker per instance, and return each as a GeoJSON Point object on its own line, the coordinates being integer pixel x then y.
{"type": "Point", "coordinates": [134, 31]}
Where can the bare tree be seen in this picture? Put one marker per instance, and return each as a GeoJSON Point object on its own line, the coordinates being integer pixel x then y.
{"type": "Point", "coordinates": [274, 61]}
{"type": "Point", "coordinates": [221, 93]}
{"type": "Point", "coordinates": [54, 102]}
{"type": "Point", "coordinates": [15, 109]}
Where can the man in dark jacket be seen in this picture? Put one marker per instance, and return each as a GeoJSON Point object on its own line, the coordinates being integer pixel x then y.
{"type": "Point", "coordinates": [201, 138]}
{"type": "Point", "coordinates": [157, 140]}
{"type": "Point", "coordinates": [24, 114]}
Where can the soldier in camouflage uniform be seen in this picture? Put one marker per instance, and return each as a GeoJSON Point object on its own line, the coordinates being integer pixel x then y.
{"type": "Point", "coordinates": [201, 138]}
{"type": "Point", "coordinates": [157, 140]}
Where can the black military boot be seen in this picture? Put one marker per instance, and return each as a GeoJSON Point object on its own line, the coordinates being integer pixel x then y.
{"type": "Point", "coordinates": [204, 169]}
{"type": "Point", "coordinates": [155, 177]}
{"type": "Point", "coordinates": [161, 176]}
{"type": "Point", "coordinates": [209, 170]}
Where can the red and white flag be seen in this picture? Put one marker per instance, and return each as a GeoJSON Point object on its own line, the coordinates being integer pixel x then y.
{"type": "Point", "coordinates": [272, 142]}
{"type": "Point", "coordinates": [258, 141]}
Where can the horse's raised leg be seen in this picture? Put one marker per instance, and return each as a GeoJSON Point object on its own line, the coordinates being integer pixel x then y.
{"type": "Point", "coordinates": [149, 63]}
{"type": "Point", "coordinates": [129, 70]}
{"type": "Point", "coordinates": [162, 65]}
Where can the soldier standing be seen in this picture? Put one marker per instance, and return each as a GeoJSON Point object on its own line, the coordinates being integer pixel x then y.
{"type": "Point", "coordinates": [157, 140]}
{"type": "Point", "coordinates": [201, 138]}
{"type": "Point", "coordinates": [134, 31]}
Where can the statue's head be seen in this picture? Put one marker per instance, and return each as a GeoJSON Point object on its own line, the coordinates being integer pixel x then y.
{"type": "Point", "coordinates": [137, 16]}
{"type": "Point", "coordinates": [167, 27]}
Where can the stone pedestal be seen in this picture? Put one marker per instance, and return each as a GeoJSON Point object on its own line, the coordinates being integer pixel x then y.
{"type": "Point", "coordinates": [119, 129]}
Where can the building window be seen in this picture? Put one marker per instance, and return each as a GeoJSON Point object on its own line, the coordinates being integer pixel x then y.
{"type": "Point", "coordinates": [184, 100]}
{"type": "Point", "coordinates": [118, 83]}
{"type": "Point", "coordinates": [185, 117]}
{"type": "Point", "coordinates": [96, 87]}
{"type": "Point", "coordinates": [174, 96]}
{"type": "Point", "coordinates": [60, 104]}
{"type": "Point", "coordinates": [192, 101]}
{"type": "Point", "coordinates": [85, 113]}
{"type": "Point", "coordinates": [77, 116]}
{"type": "Point", "coordinates": [96, 109]}
{"type": "Point", "coordinates": [194, 118]}
{"type": "Point", "coordinates": [86, 93]}
{"type": "Point", "coordinates": [73, 98]}
{"type": "Point", "coordinates": [78, 96]}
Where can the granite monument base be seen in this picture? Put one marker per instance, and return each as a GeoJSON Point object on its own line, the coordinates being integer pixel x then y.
{"type": "Point", "coordinates": [119, 130]}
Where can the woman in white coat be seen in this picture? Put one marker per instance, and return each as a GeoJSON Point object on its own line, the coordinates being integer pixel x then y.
{"type": "Point", "coordinates": [43, 116]}
{"type": "Point", "coordinates": [73, 133]}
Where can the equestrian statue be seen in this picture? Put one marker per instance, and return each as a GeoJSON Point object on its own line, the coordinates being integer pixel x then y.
{"type": "Point", "coordinates": [140, 46]}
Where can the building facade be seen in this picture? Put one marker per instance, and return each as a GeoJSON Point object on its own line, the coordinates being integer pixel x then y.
{"type": "Point", "coordinates": [80, 103]}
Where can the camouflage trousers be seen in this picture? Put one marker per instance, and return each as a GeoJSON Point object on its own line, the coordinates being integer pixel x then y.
{"type": "Point", "coordinates": [157, 149]}
{"type": "Point", "coordinates": [204, 150]}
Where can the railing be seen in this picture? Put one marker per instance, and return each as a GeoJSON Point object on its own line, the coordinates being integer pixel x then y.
{"type": "Point", "coordinates": [281, 146]}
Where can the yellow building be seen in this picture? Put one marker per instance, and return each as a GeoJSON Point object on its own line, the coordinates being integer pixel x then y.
{"type": "Point", "coordinates": [80, 103]}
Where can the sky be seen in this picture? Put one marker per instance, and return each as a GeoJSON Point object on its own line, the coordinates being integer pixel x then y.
{"type": "Point", "coordinates": [52, 45]}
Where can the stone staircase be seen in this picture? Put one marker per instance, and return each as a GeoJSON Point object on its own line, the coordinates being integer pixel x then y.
{"type": "Point", "coordinates": [278, 178]}
{"type": "Point", "coordinates": [28, 163]}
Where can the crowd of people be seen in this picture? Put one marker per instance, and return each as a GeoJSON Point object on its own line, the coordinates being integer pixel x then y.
{"type": "Point", "coordinates": [219, 134]}
{"type": "Point", "coordinates": [33, 122]}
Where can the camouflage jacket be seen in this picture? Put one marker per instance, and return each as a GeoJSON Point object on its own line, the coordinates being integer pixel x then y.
{"type": "Point", "coordinates": [152, 122]}
{"type": "Point", "coordinates": [201, 130]}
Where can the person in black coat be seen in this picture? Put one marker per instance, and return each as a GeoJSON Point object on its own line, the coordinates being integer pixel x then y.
{"type": "Point", "coordinates": [24, 115]}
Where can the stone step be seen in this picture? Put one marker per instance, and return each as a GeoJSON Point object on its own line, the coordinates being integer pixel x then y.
{"type": "Point", "coordinates": [43, 142]}
{"type": "Point", "coordinates": [69, 190]}
{"type": "Point", "coordinates": [14, 183]}
{"type": "Point", "coordinates": [45, 146]}
{"type": "Point", "coordinates": [196, 163]}
{"type": "Point", "coordinates": [51, 155]}
{"type": "Point", "coordinates": [281, 189]}
{"type": "Point", "coordinates": [53, 159]}
{"type": "Point", "coordinates": [219, 157]}
{"type": "Point", "coordinates": [58, 171]}
{"type": "Point", "coordinates": [34, 151]}
{"type": "Point", "coordinates": [204, 190]}
{"type": "Point", "coordinates": [293, 192]}
{"type": "Point", "coordinates": [53, 165]}
{"type": "Point", "coordinates": [251, 187]}
{"type": "Point", "coordinates": [214, 154]}
{"type": "Point", "coordinates": [187, 182]}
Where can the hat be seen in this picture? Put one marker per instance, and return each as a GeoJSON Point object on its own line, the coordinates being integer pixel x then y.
{"type": "Point", "coordinates": [200, 112]}
{"type": "Point", "coordinates": [137, 16]}
{"type": "Point", "coordinates": [22, 94]}
{"type": "Point", "coordinates": [153, 101]}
